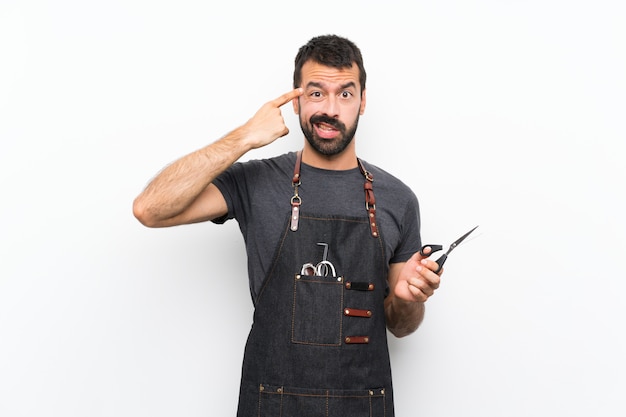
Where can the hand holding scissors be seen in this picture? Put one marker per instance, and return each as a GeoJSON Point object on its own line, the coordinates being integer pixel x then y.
{"type": "Point", "coordinates": [435, 248]}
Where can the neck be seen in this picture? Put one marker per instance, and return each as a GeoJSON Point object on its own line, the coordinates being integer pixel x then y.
{"type": "Point", "coordinates": [339, 162]}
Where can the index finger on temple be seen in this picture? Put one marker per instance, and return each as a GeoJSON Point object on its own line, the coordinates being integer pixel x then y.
{"type": "Point", "coordinates": [287, 97]}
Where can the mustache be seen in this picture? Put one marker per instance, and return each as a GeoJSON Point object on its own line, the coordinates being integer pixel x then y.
{"type": "Point", "coordinates": [320, 118]}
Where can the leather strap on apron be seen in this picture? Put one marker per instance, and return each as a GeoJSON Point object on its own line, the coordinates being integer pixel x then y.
{"type": "Point", "coordinates": [370, 200]}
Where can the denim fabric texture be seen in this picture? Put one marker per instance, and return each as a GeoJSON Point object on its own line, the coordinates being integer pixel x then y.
{"type": "Point", "coordinates": [300, 359]}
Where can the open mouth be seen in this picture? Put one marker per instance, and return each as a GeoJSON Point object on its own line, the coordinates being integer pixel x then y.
{"type": "Point", "coordinates": [326, 131]}
{"type": "Point", "coordinates": [326, 127]}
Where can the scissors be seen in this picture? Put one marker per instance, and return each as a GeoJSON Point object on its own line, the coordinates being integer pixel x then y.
{"type": "Point", "coordinates": [435, 248]}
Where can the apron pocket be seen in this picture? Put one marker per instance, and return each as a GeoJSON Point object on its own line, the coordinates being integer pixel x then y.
{"type": "Point", "coordinates": [275, 401]}
{"type": "Point", "coordinates": [317, 310]}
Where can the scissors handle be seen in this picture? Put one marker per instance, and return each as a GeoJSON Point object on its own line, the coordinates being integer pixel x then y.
{"type": "Point", "coordinates": [433, 249]}
{"type": "Point", "coordinates": [440, 262]}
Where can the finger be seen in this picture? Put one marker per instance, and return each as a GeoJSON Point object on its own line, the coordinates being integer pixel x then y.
{"type": "Point", "coordinates": [425, 251]}
{"type": "Point", "coordinates": [428, 275]}
{"type": "Point", "coordinates": [417, 257]}
{"type": "Point", "coordinates": [431, 265]}
{"type": "Point", "coordinates": [418, 294]}
{"type": "Point", "coordinates": [420, 286]}
{"type": "Point", "coordinates": [287, 97]}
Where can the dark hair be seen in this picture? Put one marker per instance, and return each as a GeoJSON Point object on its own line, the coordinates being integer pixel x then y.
{"type": "Point", "coordinates": [332, 51]}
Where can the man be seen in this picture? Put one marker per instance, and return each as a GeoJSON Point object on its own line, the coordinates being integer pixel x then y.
{"type": "Point", "coordinates": [332, 241]}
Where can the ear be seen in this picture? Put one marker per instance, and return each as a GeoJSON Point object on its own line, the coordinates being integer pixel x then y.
{"type": "Point", "coordinates": [296, 105]}
{"type": "Point", "coordinates": [363, 102]}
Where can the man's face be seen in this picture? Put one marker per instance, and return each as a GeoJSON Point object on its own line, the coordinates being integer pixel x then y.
{"type": "Point", "coordinates": [330, 106]}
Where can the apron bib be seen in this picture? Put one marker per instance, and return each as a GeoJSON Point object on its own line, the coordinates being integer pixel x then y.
{"type": "Point", "coordinates": [318, 343]}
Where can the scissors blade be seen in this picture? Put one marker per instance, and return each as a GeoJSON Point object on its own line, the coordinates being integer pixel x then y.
{"type": "Point", "coordinates": [459, 240]}
{"type": "Point", "coordinates": [454, 244]}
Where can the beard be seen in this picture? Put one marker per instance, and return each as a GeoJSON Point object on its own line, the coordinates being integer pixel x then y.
{"type": "Point", "coordinates": [328, 146]}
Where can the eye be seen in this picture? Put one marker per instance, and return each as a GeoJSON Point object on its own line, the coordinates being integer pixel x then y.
{"type": "Point", "coordinates": [346, 94]}
{"type": "Point", "coordinates": [316, 96]}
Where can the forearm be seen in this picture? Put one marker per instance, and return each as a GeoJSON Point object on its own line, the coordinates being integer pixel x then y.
{"type": "Point", "coordinates": [169, 198]}
{"type": "Point", "coordinates": [178, 185]}
{"type": "Point", "coordinates": [403, 317]}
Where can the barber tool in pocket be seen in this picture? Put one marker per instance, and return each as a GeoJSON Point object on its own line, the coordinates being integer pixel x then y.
{"type": "Point", "coordinates": [322, 268]}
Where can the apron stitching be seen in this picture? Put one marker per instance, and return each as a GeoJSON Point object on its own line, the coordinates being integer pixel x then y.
{"type": "Point", "coordinates": [274, 264]}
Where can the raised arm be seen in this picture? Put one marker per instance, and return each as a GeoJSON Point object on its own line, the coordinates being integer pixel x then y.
{"type": "Point", "coordinates": [183, 191]}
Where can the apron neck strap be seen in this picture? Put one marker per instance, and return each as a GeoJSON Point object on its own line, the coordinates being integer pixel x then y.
{"type": "Point", "coordinates": [370, 200]}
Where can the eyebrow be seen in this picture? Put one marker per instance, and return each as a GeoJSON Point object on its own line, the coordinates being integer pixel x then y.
{"type": "Point", "coordinates": [320, 85]}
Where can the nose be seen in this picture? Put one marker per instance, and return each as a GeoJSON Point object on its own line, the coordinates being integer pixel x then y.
{"type": "Point", "coordinates": [331, 107]}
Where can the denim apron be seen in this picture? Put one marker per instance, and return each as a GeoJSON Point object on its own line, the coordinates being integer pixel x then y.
{"type": "Point", "coordinates": [318, 343]}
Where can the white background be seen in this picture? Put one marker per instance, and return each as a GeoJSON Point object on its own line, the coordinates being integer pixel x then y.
{"type": "Point", "coordinates": [505, 114]}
